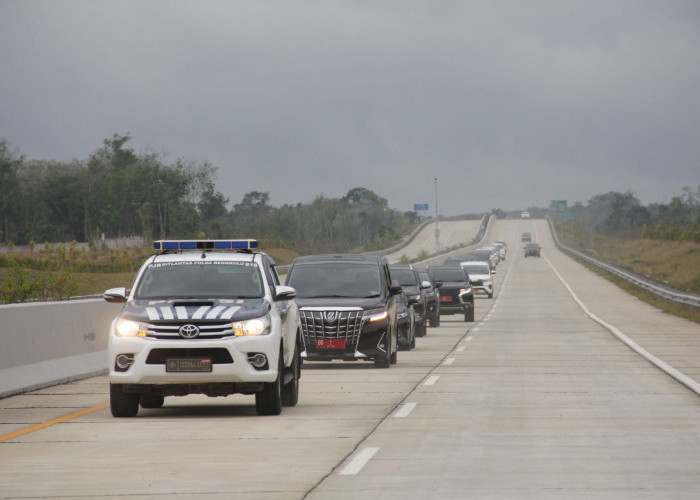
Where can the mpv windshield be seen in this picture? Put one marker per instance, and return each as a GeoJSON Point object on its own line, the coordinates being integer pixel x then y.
{"type": "Point", "coordinates": [335, 279]}
{"type": "Point", "coordinates": [214, 279]}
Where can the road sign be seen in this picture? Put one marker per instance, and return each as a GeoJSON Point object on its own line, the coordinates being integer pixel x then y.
{"type": "Point", "coordinates": [420, 206]}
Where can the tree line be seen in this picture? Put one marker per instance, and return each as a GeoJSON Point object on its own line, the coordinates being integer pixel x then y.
{"type": "Point", "coordinates": [117, 192]}
{"type": "Point", "coordinates": [623, 215]}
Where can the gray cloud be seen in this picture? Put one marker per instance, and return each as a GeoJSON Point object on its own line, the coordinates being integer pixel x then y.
{"type": "Point", "coordinates": [509, 103]}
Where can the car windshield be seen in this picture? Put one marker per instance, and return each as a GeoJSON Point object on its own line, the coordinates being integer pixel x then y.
{"type": "Point", "coordinates": [476, 269]}
{"type": "Point", "coordinates": [220, 279]}
{"type": "Point", "coordinates": [455, 274]}
{"type": "Point", "coordinates": [335, 279]}
{"type": "Point", "coordinates": [424, 276]}
{"type": "Point", "coordinates": [404, 277]}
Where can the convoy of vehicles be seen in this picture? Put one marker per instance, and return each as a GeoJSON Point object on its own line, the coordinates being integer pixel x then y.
{"type": "Point", "coordinates": [211, 317]}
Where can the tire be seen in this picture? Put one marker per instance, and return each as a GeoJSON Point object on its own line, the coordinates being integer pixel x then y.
{"type": "Point", "coordinates": [122, 404]}
{"type": "Point", "coordinates": [490, 295]}
{"type": "Point", "coordinates": [290, 390]}
{"type": "Point", "coordinates": [469, 315]}
{"type": "Point", "coordinates": [385, 362]}
{"type": "Point", "coordinates": [151, 400]}
{"type": "Point", "coordinates": [413, 340]}
{"type": "Point", "coordinates": [421, 329]}
{"type": "Point", "coordinates": [435, 322]}
{"type": "Point", "coordinates": [269, 400]}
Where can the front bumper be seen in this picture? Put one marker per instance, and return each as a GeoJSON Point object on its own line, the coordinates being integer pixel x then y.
{"type": "Point", "coordinates": [229, 360]}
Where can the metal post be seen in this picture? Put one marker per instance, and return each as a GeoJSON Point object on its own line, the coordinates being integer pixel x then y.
{"type": "Point", "coordinates": [437, 230]}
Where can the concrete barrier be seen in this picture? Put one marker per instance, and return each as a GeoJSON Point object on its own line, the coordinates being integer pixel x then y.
{"type": "Point", "coordinates": [48, 343]}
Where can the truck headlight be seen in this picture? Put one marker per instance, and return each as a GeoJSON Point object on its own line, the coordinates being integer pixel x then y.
{"type": "Point", "coordinates": [249, 327]}
{"type": "Point", "coordinates": [128, 328]}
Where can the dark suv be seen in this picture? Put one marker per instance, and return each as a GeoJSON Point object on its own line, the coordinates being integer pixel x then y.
{"type": "Point", "coordinates": [347, 306]}
{"type": "Point", "coordinates": [407, 276]}
{"type": "Point", "coordinates": [456, 294]}
{"type": "Point", "coordinates": [432, 297]}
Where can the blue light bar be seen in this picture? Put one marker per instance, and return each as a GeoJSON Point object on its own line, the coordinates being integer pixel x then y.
{"type": "Point", "coordinates": [205, 244]}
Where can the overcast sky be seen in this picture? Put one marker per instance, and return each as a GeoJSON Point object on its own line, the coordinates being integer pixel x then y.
{"type": "Point", "coordinates": [508, 103]}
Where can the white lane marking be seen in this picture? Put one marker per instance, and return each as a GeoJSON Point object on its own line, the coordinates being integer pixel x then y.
{"type": "Point", "coordinates": [469, 338]}
{"type": "Point", "coordinates": [662, 365]}
{"type": "Point", "coordinates": [357, 463]}
{"type": "Point", "coordinates": [432, 379]}
{"type": "Point", "coordinates": [460, 348]}
{"type": "Point", "coordinates": [405, 410]}
{"type": "Point", "coordinates": [449, 361]}
{"type": "Point", "coordinates": [475, 329]}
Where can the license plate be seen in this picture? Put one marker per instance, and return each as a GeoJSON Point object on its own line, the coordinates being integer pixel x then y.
{"type": "Point", "coordinates": [188, 365]}
{"type": "Point", "coordinates": [445, 298]}
{"type": "Point", "coordinates": [330, 343]}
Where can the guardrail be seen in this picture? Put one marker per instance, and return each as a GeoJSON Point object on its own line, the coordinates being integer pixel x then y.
{"type": "Point", "coordinates": [665, 293]}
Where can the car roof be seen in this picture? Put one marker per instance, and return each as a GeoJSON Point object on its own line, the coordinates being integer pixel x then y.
{"type": "Point", "coordinates": [359, 258]}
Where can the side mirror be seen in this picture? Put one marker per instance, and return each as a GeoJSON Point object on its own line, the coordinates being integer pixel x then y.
{"type": "Point", "coordinates": [283, 292]}
{"type": "Point", "coordinates": [425, 285]}
{"type": "Point", "coordinates": [395, 289]}
{"type": "Point", "coordinates": [493, 271]}
{"type": "Point", "coordinates": [438, 284]}
{"type": "Point", "coordinates": [117, 295]}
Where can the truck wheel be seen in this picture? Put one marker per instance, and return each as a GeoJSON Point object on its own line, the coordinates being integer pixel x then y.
{"type": "Point", "coordinates": [269, 400]}
{"type": "Point", "coordinates": [123, 404]}
{"type": "Point", "coordinates": [290, 390]}
{"type": "Point", "coordinates": [151, 401]}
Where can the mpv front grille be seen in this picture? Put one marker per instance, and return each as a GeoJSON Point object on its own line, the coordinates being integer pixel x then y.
{"type": "Point", "coordinates": [331, 324]}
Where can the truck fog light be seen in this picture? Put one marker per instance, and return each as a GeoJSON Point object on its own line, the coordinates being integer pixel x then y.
{"type": "Point", "coordinates": [124, 361]}
{"type": "Point", "coordinates": [258, 360]}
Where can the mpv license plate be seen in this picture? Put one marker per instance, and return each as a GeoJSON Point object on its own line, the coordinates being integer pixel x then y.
{"type": "Point", "coordinates": [330, 343]}
{"type": "Point", "coordinates": [445, 298]}
{"type": "Point", "coordinates": [188, 365]}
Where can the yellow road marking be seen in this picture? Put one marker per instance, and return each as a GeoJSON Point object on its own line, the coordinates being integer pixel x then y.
{"type": "Point", "coordinates": [44, 425]}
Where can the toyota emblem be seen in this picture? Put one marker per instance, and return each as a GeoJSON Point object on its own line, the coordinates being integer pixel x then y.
{"type": "Point", "coordinates": [330, 316]}
{"type": "Point", "coordinates": [188, 331]}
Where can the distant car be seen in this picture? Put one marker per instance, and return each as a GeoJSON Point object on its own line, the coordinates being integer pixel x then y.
{"type": "Point", "coordinates": [525, 215]}
{"type": "Point", "coordinates": [526, 237]}
{"type": "Point", "coordinates": [432, 297]}
{"type": "Point", "coordinates": [532, 249]}
{"type": "Point", "coordinates": [480, 277]}
{"type": "Point", "coordinates": [406, 321]}
{"type": "Point", "coordinates": [502, 247]}
{"type": "Point", "coordinates": [456, 293]}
